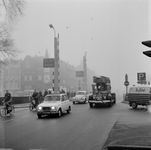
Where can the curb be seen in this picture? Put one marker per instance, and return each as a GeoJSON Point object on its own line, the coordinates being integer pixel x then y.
{"type": "Point", "coordinates": [106, 135]}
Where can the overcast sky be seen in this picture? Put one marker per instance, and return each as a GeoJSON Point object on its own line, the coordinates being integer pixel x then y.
{"type": "Point", "coordinates": [110, 31]}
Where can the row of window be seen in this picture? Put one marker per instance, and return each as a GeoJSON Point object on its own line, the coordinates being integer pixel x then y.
{"type": "Point", "coordinates": [11, 85]}
{"type": "Point", "coordinates": [30, 78]}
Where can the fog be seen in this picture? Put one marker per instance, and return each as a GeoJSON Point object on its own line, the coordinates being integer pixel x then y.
{"type": "Point", "coordinates": [110, 31]}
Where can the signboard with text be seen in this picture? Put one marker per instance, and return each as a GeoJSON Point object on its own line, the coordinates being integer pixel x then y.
{"type": "Point", "coordinates": [141, 77]}
{"type": "Point", "coordinates": [48, 63]}
{"type": "Point", "coordinates": [79, 73]}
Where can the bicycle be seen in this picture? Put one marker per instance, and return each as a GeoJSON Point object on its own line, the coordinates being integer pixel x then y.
{"type": "Point", "coordinates": [3, 110]}
{"type": "Point", "coordinates": [32, 105]}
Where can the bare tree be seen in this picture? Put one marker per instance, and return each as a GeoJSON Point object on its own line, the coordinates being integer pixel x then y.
{"type": "Point", "coordinates": [13, 11]}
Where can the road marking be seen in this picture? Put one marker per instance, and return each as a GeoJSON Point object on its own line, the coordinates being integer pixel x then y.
{"type": "Point", "coordinates": [8, 121]}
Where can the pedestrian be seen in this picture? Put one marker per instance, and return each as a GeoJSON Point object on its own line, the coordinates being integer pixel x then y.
{"type": "Point", "coordinates": [40, 97]}
{"type": "Point", "coordinates": [45, 93]}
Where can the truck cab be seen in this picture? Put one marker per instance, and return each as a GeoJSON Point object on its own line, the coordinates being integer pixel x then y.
{"type": "Point", "coordinates": [139, 95]}
{"type": "Point", "coordinates": [101, 94]}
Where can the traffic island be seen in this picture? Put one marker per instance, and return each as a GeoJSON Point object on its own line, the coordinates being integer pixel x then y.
{"type": "Point", "coordinates": [129, 137]}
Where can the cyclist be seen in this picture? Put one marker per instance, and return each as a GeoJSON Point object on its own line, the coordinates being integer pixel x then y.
{"type": "Point", "coordinates": [7, 100]}
{"type": "Point", "coordinates": [35, 97]}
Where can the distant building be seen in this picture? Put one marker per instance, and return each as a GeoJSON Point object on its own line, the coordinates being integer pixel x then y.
{"type": "Point", "coordinates": [28, 74]}
{"type": "Point", "coordinates": [32, 76]}
{"type": "Point", "coordinates": [11, 77]}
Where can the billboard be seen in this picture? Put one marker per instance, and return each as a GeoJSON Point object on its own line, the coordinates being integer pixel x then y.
{"type": "Point", "coordinates": [48, 63]}
{"type": "Point", "coordinates": [79, 74]}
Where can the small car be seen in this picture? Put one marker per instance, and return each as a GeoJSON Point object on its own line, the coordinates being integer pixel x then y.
{"type": "Point", "coordinates": [54, 104]}
{"type": "Point", "coordinates": [80, 97]}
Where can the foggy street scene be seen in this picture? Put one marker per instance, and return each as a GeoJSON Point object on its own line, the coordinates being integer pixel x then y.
{"type": "Point", "coordinates": [75, 74]}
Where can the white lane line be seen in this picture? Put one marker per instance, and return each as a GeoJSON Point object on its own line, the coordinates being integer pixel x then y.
{"type": "Point", "coordinates": [8, 121]}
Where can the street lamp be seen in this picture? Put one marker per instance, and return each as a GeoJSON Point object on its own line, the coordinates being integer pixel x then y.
{"type": "Point", "coordinates": [51, 26]}
{"type": "Point", "coordinates": [56, 59]}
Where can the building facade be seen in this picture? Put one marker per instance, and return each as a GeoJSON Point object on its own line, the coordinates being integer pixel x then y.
{"type": "Point", "coordinates": [11, 77]}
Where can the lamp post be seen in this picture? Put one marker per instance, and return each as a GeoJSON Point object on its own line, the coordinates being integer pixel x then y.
{"type": "Point", "coordinates": [56, 59]}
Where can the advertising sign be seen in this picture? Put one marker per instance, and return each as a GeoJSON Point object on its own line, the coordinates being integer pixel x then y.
{"type": "Point", "coordinates": [79, 73]}
{"type": "Point", "coordinates": [48, 63]}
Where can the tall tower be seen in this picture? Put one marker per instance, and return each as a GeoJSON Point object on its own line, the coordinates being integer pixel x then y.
{"type": "Point", "coordinates": [47, 74]}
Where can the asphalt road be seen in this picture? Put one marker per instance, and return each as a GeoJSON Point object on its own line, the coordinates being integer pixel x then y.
{"type": "Point", "coordinates": [83, 129]}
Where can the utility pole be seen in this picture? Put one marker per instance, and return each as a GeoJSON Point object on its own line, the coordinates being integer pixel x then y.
{"type": "Point", "coordinates": [85, 72]}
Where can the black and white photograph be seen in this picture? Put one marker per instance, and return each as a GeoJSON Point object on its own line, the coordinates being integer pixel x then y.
{"type": "Point", "coordinates": [75, 74]}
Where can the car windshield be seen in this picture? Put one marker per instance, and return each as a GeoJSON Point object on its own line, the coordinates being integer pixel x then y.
{"type": "Point", "coordinates": [52, 98]}
{"type": "Point", "coordinates": [80, 93]}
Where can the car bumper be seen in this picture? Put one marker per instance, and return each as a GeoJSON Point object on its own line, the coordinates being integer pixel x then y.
{"type": "Point", "coordinates": [100, 102]}
{"type": "Point", "coordinates": [79, 100]}
{"type": "Point", "coordinates": [46, 112]}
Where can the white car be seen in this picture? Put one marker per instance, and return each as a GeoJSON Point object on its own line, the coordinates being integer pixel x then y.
{"type": "Point", "coordinates": [80, 97]}
{"type": "Point", "coordinates": [54, 104]}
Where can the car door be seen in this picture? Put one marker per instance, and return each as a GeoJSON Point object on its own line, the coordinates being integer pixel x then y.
{"type": "Point", "coordinates": [66, 102]}
{"type": "Point", "coordinates": [63, 104]}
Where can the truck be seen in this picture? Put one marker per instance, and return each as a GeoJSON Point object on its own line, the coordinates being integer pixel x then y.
{"type": "Point", "coordinates": [139, 95]}
{"type": "Point", "coordinates": [101, 92]}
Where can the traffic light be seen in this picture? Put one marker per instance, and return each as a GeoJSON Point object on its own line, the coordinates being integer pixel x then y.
{"type": "Point", "coordinates": [147, 53]}
{"type": "Point", "coordinates": [148, 44]}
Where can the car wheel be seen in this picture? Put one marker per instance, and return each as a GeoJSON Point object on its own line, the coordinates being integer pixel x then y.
{"type": "Point", "coordinates": [39, 116]}
{"type": "Point", "coordinates": [68, 111]}
{"type": "Point", "coordinates": [110, 104]}
{"type": "Point", "coordinates": [134, 105]}
{"type": "Point", "coordinates": [59, 113]}
{"type": "Point", "coordinates": [91, 105]}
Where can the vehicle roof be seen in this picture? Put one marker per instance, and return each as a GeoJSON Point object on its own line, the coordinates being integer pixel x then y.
{"type": "Point", "coordinates": [140, 89]}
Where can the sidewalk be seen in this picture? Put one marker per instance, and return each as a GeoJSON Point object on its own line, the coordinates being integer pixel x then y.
{"type": "Point", "coordinates": [131, 131]}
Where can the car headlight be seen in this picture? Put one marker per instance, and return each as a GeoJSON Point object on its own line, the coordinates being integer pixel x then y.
{"type": "Point", "coordinates": [53, 108]}
{"type": "Point", "coordinates": [39, 108]}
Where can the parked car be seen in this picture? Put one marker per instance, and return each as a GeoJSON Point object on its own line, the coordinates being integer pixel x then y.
{"type": "Point", "coordinates": [80, 97]}
{"type": "Point", "coordinates": [54, 104]}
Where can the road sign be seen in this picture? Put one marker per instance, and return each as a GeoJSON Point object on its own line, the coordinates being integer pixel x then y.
{"type": "Point", "coordinates": [126, 77]}
{"type": "Point", "coordinates": [126, 83]}
{"type": "Point", "coordinates": [141, 76]}
{"type": "Point", "coordinates": [48, 63]}
{"type": "Point", "coordinates": [142, 82]}
{"type": "Point", "coordinates": [79, 73]}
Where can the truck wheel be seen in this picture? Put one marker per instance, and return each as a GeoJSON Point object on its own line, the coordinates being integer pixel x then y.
{"type": "Point", "coordinates": [91, 105]}
{"type": "Point", "coordinates": [110, 104]}
{"type": "Point", "coordinates": [115, 100]}
{"type": "Point", "coordinates": [134, 105]}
